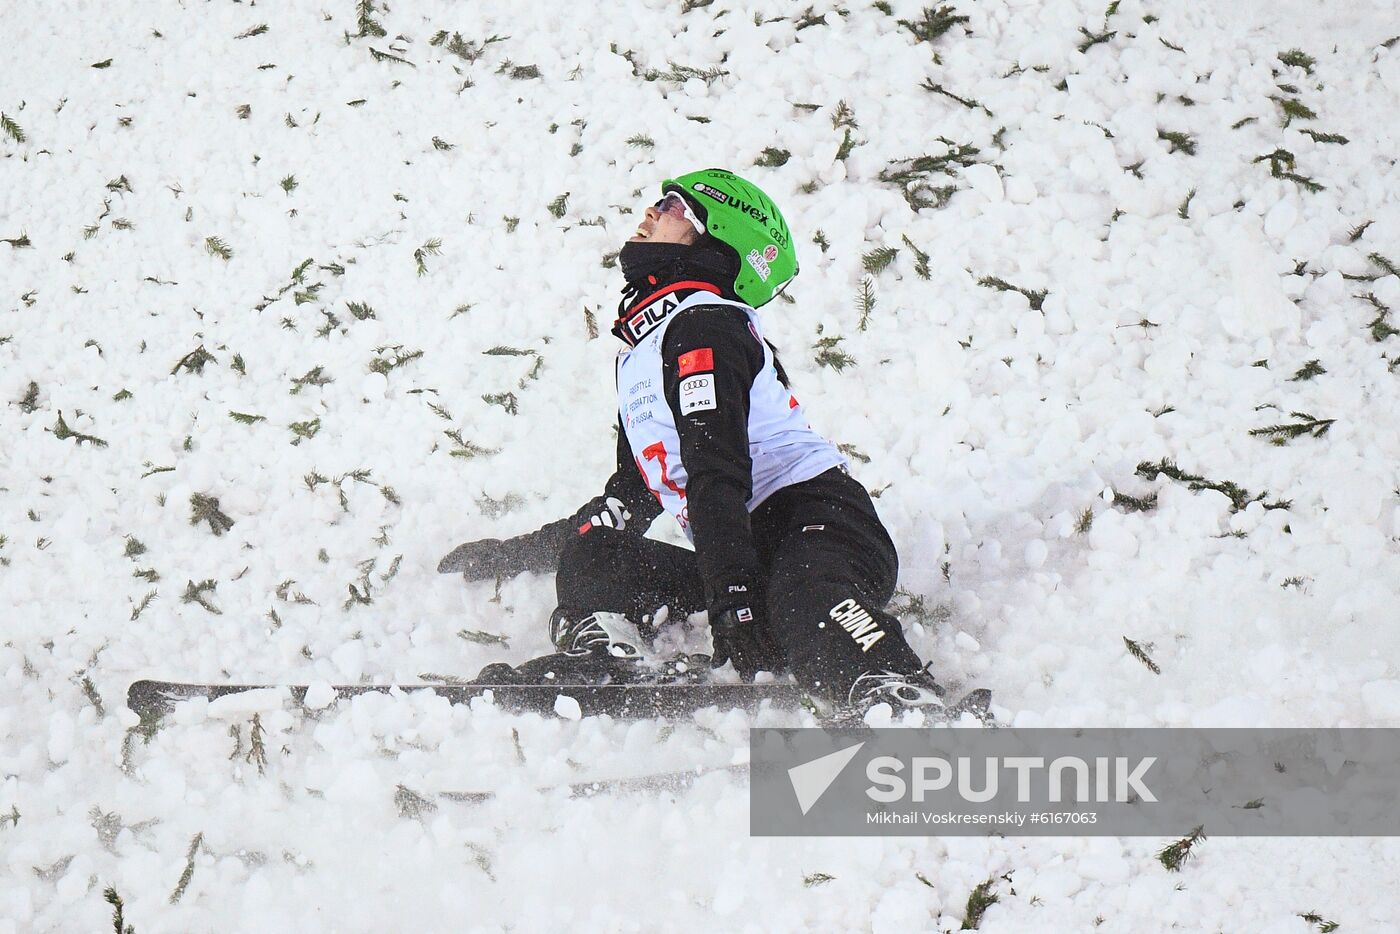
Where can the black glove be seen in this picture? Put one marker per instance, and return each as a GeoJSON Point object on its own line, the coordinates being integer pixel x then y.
{"type": "Point", "coordinates": [612, 513]}
{"type": "Point", "coordinates": [739, 630]}
{"type": "Point", "coordinates": [491, 558]}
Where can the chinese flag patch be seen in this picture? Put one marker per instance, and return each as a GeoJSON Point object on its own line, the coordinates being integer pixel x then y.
{"type": "Point", "coordinates": [700, 360]}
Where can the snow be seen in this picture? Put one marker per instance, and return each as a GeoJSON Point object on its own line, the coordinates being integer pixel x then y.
{"type": "Point", "coordinates": [996, 431]}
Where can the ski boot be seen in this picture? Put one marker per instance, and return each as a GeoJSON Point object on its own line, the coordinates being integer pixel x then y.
{"type": "Point", "coordinates": [609, 633]}
{"type": "Point", "coordinates": [900, 691]}
{"type": "Point", "coordinates": [599, 648]}
{"type": "Point", "coordinates": [908, 692]}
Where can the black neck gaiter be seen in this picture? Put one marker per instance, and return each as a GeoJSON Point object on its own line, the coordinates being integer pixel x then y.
{"type": "Point", "coordinates": [647, 267]}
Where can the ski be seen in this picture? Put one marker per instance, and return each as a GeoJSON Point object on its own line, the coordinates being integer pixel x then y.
{"type": "Point", "coordinates": [652, 782]}
{"type": "Point", "coordinates": [621, 701]}
{"type": "Point", "coordinates": [149, 699]}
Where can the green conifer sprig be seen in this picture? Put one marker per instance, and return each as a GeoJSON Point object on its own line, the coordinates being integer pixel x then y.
{"type": "Point", "coordinates": [1180, 142]}
{"type": "Point", "coordinates": [914, 175]}
{"type": "Point", "coordinates": [978, 901]}
{"type": "Point", "coordinates": [246, 418]}
{"type": "Point", "coordinates": [933, 23]}
{"type": "Point", "coordinates": [1326, 137]}
{"type": "Point", "coordinates": [194, 361]}
{"type": "Point", "coordinates": [217, 247]}
{"type": "Point", "coordinates": [1379, 327]}
{"type": "Point", "coordinates": [506, 400]}
{"type": "Point", "coordinates": [12, 129]}
{"type": "Point", "coordinates": [205, 508]}
{"type": "Point", "coordinates": [411, 804]}
{"type": "Point", "coordinates": [683, 73]}
{"type": "Point", "coordinates": [1323, 925]}
{"type": "Point", "coordinates": [195, 844]}
{"type": "Point", "coordinates": [1281, 164]}
{"type": "Point", "coordinates": [1129, 503]}
{"type": "Point", "coordinates": [1390, 268]}
{"type": "Point", "coordinates": [467, 449]}
{"type": "Point", "coordinates": [921, 268]}
{"type": "Point", "coordinates": [559, 205]}
{"type": "Point", "coordinates": [518, 72]}
{"type": "Point", "coordinates": [483, 638]}
{"type": "Point", "coordinates": [312, 377]}
{"type": "Point", "coordinates": [379, 56]}
{"type": "Point", "coordinates": [257, 30]}
{"type": "Point", "coordinates": [1184, 212]}
{"type": "Point", "coordinates": [844, 116]}
{"type": "Point", "coordinates": [772, 158]}
{"type": "Point", "coordinates": [119, 925]}
{"type": "Point", "coordinates": [466, 50]}
{"type": "Point", "coordinates": [140, 608]}
{"type": "Point", "coordinates": [1239, 497]}
{"type": "Point", "coordinates": [919, 168]}
{"type": "Point", "coordinates": [495, 508]}
{"type": "Point", "coordinates": [1307, 371]}
{"type": "Point", "coordinates": [854, 453]}
{"type": "Point", "coordinates": [879, 259]}
{"type": "Point", "coordinates": [1085, 522]}
{"type": "Point", "coordinates": [829, 355]}
{"type": "Point", "coordinates": [20, 242]}
{"type": "Point", "coordinates": [432, 247]}
{"type": "Point", "coordinates": [1092, 39]}
{"type": "Point", "coordinates": [62, 432]}
{"type": "Point", "coordinates": [1293, 109]}
{"type": "Point", "coordinates": [1036, 297]}
{"type": "Point", "coordinates": [1139, 651]}
{"type": "Point", "coordinates": [1175, 854]}
{"type": "Point", "coordinates": [848, 145]}
{"type": "Point", "coordinates": [865, 302]}
{"type": "Point", "coordinates": [396, 357]}
{"type": "Point", "coordinates": [1281, 434]}
{"type": "Point", "coordinates": [641, 141]}
{"type": "Point", "coordinates": [1299, 59]}
{"type": "Point", "coordinates": [257, 745]}
{"type": "Point", "coordinates": [305, 431]}
{"type": "Point", "coordinates": [364, 16]}
{"type": "Point", "coordinates": [195, 593]}
{"type": "Point", "coordinates": [933, 88]}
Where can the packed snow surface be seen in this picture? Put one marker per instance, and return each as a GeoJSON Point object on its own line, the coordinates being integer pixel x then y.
{"type": "Point", "coordinates": [352, 280]}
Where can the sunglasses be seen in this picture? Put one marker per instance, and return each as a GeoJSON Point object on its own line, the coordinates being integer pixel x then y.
{"type": "Point", "coordinates": [676, 206]}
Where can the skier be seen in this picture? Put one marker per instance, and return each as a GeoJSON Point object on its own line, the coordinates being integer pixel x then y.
{"type": "Point", "coordinates": [791, 560]}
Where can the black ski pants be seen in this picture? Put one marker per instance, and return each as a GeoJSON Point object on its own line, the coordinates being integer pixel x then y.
{"type": "Point", "coordinates": [829, 568]}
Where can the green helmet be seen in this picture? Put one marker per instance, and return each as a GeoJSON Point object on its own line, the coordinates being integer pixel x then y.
{"type": "Point", "coordinates": [739, 215]}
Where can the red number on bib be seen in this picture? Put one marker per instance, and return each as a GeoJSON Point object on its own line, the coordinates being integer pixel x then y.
{"type": "Point", "coordinates": [657, 452]}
